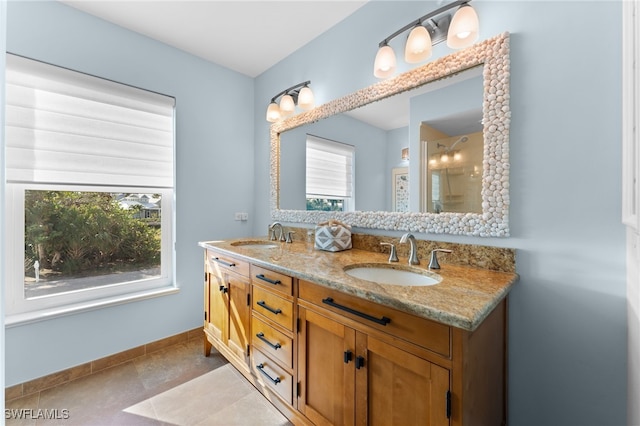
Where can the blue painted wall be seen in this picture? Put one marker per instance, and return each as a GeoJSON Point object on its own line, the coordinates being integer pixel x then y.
{"type": "Point", "coordinates": [214, 157]}
{"type": "Point", "coordinates": [369, 163]}
{"type": "Point", "coordinates": [567, 336]}
{"type": "Point", "coordinates": [567, 332]}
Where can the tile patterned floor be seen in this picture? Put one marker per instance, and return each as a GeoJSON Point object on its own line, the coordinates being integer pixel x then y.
{"type": "Point", "coordinates": [173, 386]}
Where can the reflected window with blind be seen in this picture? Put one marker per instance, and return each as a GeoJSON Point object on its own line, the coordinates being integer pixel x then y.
{"type": "Point", "coordinates": [329, 175]}
{"type": "Point", "coordinates": [90, 188]}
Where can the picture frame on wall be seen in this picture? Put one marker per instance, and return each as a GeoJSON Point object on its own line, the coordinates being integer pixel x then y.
{"type": "Point", "coordinates": [400, 189]}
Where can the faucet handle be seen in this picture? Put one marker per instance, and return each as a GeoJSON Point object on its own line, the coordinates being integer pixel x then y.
{"type": "Point", "coordinates": [289, 239]}
{"type": "Point", "coordinates": [393, 255]}
{"type": "Point", "coordinates": [433, 262]}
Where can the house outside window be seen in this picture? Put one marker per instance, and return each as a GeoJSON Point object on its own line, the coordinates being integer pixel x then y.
{"type": "Point", "coordinates": [90, 189]}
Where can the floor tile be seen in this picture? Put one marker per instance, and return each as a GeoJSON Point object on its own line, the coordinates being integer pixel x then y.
{"type": "Point", "coordinates": [93, 400]}
{"type": "Point", "coordinates": [166, 368]}
{"type": "Point", "coordinates": [173, 386]}
{"type": "Point", "coordinates": [193, 401]}
{"type": "Point", "coordinates": [250, 410]}
{"type": "Point", "coordinates": [29, 402]}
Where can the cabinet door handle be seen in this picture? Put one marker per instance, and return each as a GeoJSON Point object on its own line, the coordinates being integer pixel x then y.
{"type": "Point", "coordinates": [348, 356]}
{"type": "Point", "coordinates": [275, 381]}
{"type": "Point", "coordinates": [269, 280]}
{"type": "Point", "coordinates": [223, 289]}
{"type": "Point", "coordinates": [269, 308]}
{"type": "Point", "coordinates": [359, 362]}
{"type": "Point", "coordinates": [274, 346]}
{"type": "Point", "coordinates": [222, 262]}
{"type": "Point", "coordinates": [382, 321]}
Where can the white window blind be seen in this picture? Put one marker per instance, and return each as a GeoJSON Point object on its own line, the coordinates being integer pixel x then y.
{"type": "Point", "coordinates": [329, 168]}
{"type": "Point", "coordinates": [67, 127]}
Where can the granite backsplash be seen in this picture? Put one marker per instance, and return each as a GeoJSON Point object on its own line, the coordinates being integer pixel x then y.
{"type": "Point", "coordinates": [478, 256]}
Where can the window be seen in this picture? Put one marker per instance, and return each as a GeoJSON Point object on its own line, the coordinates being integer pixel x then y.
{"type": "Point", "coordinates": [329, 174]}
{"type": "Point", "coordinates": [89, 169]}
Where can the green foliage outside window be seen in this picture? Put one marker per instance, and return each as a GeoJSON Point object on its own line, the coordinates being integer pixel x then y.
{"type": "Point", "coordinates": [324, 204]}
{"type": "Point", "coordinates": [78, 233]}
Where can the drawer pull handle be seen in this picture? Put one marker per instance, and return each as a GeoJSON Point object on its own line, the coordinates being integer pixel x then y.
{"type": "Point", "coordinates": [270, 281]}
{"type": "Point", "coordinates": [222, 262]}
{"type": "Point", "coordinates": [382, 321]}
{"type": "Point", "coordinates": [269, 308]}
{"type": "Point", "coordinates": [261, 337]}
{"type": "Point", "coordinates": [261, 368]}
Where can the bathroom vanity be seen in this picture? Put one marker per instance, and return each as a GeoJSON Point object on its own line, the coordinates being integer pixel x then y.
{"type": "Point", "coordinates": [327, 348]}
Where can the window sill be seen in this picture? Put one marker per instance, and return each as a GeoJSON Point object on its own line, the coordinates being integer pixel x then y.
{"type": "Point", "coordinates": [60, 311]}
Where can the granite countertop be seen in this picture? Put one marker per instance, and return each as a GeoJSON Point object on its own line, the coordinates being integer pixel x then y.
{"type": "Point", "coordinates": [463, 299]}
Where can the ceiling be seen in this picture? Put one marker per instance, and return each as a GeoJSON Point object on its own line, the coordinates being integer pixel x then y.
{"type": "Point", "coordinates": [246, 36]}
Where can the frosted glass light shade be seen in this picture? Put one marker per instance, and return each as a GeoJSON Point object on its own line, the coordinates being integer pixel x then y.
{"type": "Point", "coordinates": [385, 64]}
{"type": "Point", "coordinates": [306, 100]}
{"type": "Point", "coordinates": [287, 106]}
{"type": "Point", "coordinates": [273, 112]}
{"type": "Point", "coordinates": [418, 47]}
{"type": "Point", "coordinates": [463, 31]}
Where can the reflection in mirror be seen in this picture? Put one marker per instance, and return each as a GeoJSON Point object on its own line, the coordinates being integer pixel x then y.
{"type": "Point", "coordinates": [454, 173]}
{"type": "Point", "coordinates": [369, 177]}
{"type": "Point", "coordinates": [378, 133]}
{"type": "Point", "coordinates": [451, 145]}
{"type": "Point", "coordinates": [466, 194]}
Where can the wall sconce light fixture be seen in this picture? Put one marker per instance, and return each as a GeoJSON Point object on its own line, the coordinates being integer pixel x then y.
{"type": "Point", "coordinates": [460, 31]}
{"type": "Point", "coordinates": [300, 95]}
{"type": "Point", "coordinates": [405, 154]}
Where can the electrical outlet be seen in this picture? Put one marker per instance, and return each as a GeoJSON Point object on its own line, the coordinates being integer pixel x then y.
{"type": "Point", "coordinates": [241, 216]}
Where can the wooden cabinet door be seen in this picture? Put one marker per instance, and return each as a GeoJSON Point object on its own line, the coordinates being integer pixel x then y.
{"type": "Point", "coordinates": [325, 370]}
{"type": "Point", "coordinates": [218, 307]}
{"type": "Point", "coordinates": [394, 387]}
{"type": "Point", "coordinates": [207, 310]}
{"type": "Point", "coordinates": [239, 316]}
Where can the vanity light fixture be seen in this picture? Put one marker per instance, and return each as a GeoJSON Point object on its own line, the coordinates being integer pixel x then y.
{"type": "Point", "coordinates": [299, 94]}
{"type": "Point", "coordinates": [460, 31]}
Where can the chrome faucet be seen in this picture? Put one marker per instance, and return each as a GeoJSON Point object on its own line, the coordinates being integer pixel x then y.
{"type": "Point", "coordinates": [393, 255]}
{"type": "Point", "coordinates": [433, 262]}
{"type": "Point", "coordinates": [413, 252]}
{"type": "Point", "coordinates": [272, 231]}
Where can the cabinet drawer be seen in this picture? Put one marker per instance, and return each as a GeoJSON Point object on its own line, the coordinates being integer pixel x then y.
{"type": "Point", "coordinates": [273, 280]}
{"type": "Point", "coordinates": [420, 331]}
{"type": "Point", "coordinates": [277, 345]}
{"type": "Point", "coordinates": [273, 376]}
{"type": "Point", "coordinates": [217, 262]}
{"type": "Point", "coordinates": [273, 307]}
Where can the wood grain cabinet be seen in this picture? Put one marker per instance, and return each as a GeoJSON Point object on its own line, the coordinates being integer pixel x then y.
{"type": "Point", "coordinates": [227, 307]}
{"type": "Point", "coordinates": [349, 375]}
{"type": "Point", "coordinates": [325, 357]}
{"type": "Point", "coordinates": [366, 364]}
{"type": "Point", "coordinates": [272, 333]}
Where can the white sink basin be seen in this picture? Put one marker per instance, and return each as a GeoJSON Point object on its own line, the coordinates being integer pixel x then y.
{"type": "Point", "coordinates": [394, 275]}
{"type": "Point", "coordinates": [255, 244]}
